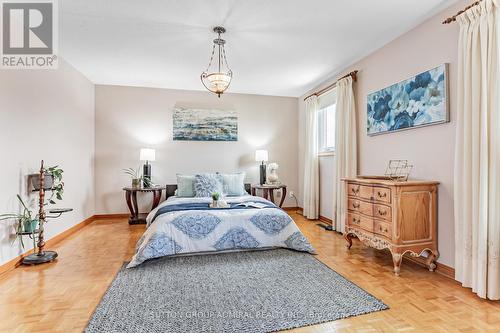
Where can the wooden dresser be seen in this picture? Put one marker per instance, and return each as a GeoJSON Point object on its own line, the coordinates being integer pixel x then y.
{"type": "Point", "coordinates": [397, 215]}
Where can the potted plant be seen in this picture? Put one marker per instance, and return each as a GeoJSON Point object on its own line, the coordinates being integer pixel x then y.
{"type": "Point", "coordinates": [52, 181]}
{"type": "Point", "coordinates": [215, 199]}
{"type": "Point", "coordinates": [137, 178]}
{"type": "Point", "coordinates": [135, 175]}
{"type": "Point", "coordinates": [48, 181]}
{"type": "Point", "coordinates": [27, 221]}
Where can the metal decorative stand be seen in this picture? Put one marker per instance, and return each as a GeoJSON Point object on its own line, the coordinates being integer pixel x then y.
{"type": "Point", "coordinates": [398, 170]}
{"type": "Point", "coordinates": [40, 256]}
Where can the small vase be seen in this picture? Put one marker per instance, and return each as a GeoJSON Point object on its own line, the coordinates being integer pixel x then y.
{"type": "Point", "coordinates": [215, 203]}
{"type": "Point", "coordinates": [136, 183]}
{"type": "Point", "coordinates": [30, 226]}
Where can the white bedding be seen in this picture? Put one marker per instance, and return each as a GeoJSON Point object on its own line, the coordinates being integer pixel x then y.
{"type": "Point", "coordinates": [190, 228]}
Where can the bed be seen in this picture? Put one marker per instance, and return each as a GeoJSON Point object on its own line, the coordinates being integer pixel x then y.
{"type": "Point", "coordinates": [182, 226]}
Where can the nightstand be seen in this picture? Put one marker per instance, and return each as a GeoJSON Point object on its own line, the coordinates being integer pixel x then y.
{"type": "Point", "coordinates": [131, 196]}
{"type": "Point", "coordinates": [268, 191]}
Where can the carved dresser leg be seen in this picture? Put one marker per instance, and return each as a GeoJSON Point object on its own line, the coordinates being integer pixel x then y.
{"type": "Point", "coordinates": [431, 260]}
{"type": "Point", "coordinates": [396, 259]}
{"type": "Point", "coordinates": [348, 238]}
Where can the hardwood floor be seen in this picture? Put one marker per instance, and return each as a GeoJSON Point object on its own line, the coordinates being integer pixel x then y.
{"type": "Point", "coordinates": [60, 297]}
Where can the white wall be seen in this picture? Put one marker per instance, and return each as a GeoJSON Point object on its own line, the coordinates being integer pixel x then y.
{"type": "Point", "coordinates": [45, 114]}
{"type": "Point", "coordinates": [430, 149]}
{"type": "Point", "coordinates": [128, 118]}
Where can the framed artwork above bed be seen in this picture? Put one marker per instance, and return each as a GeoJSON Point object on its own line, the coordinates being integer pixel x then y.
{"type": "Point", "coordinates": [191, 124]}
{"type": "Point", "coordinates": [421, 100]}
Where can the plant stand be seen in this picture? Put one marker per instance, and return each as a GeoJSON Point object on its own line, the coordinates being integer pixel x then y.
{"type": "Point", "coordinates": [40, 256]}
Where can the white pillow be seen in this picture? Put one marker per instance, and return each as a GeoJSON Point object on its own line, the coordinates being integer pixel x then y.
{"type": "Point", "coordinates": [234, 184]}
{"type": "Point", "coordinates": [185, 186]}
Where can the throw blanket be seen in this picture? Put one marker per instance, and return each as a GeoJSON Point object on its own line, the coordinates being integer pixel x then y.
{"type": "Point", "coordinates": [204, 206]}
{"type": "Point", "coordinates": [187, 225]}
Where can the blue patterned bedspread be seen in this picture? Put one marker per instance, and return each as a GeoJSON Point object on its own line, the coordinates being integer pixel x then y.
{"type": "Point", "coordinates": [187, 225]}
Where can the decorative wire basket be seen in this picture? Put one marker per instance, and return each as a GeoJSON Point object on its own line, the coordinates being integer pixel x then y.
{"type": "Point", "coordinates": [398, 170]}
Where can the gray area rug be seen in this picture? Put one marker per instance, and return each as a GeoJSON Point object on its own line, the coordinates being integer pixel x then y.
{"type": "Point", "coordinates": [259, 291]}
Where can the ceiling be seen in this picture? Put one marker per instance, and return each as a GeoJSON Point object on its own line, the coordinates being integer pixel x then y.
{"type": "Point", "coordinates": [278, 47]}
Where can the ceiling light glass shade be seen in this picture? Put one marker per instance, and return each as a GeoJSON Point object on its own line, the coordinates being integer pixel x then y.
{"type": "Point", "coordinates": [217, 77]}
{"type": "Point", "coordinates": [216, 82]}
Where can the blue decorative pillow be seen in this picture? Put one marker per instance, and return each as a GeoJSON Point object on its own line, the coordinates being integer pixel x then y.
{"type": "Point", "coordinates": [185, 186]}
{"type": "Point", "coordinates": [234, 184]}
{"type": "Point", "coordinates": [208, 183]}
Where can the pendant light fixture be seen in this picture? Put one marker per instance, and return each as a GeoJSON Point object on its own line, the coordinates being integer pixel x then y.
{"type": "Point", "coordinates": [218, 78]}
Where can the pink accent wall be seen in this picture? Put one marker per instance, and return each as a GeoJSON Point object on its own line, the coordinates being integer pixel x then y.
{"type": "Point", "coordinates": [430, 149]}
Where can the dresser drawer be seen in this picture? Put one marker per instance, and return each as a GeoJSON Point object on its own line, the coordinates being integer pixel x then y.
{"type": "Point", "coordinates": [356, 220]}
{"type": "Point", "coordinates": [353, 189]}
{"type": "Point", "coordinates": [382, 228]}
{"type": "Point", "coordinates": [359, 206]}
{"type": "Point", "coordinates": [367, 192]}
{"type": "Point", "coordinates": [381, 194]}
{"type": "Point", "coordinates": [382, 212]}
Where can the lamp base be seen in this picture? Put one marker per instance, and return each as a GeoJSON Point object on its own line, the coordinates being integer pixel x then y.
{"type": "Point", "coordinates": [262, 174]}
{"type": "Point", "coordinates": [146, 174]}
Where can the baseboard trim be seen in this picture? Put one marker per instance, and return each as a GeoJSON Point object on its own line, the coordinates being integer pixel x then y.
{"type": "Point", "coordinates": [442, 269]}
{"type": "Point", "coordinates": [111, 216]}
{"type": "Point", "coordinates": [325, 219]}
{"type": "Point", "coordinates": [321, 218]}
{"type": "Point", "coordinates": [15, 262]}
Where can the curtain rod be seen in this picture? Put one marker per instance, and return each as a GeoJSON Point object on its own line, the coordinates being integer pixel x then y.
{"type": "Point", "coordinates": [454, 17]}
{"type": "Point", "coordinates": [353, 74]}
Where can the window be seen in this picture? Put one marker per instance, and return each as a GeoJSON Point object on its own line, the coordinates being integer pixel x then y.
{"type": "Point", "coordinates": [326, 123]}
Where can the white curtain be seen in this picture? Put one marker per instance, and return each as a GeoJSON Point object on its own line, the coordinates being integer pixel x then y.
{"type": "Point", "coordinates": [477, 152]}
{"type": "Point", "coordinates": [346, 161]}
{"type": "Point", "coordinates": [311, 162]}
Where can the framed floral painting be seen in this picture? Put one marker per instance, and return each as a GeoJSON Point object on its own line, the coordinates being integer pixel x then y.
{"type": "Point", "coordinates": [418, 101]}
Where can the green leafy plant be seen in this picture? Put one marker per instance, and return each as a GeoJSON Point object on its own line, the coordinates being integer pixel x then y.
{"type": "Point", "coordinates": [215, 196]}
{"type": "Point", "coordinates": [24, 219]}
{"type": "Point", "coordinates": [58, 187]}
{"type": "Point", "coordinates": [133, 173]}
{"type": "Point", "coordinates": [137, 177]}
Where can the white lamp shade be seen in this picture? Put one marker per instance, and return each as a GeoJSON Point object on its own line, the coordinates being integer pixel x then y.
{"type": "Point", "coordinates": [261, 155]}
{"type": "Point", "coordinates": [147, 154]}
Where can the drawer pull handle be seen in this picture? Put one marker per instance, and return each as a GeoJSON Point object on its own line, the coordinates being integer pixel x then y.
{"type": "Point", "coordinates": [382, 212]}
{"type": "Point", "coordinates": [355, 205]}
{"type": "Point", "coordinates": [382, 195]}
{"type": "Point", "coordinates": [355, 220]}
{"type": "Point", "coordinates": [382, 230]}
{"type": "Point", "coordinates": [355, 190]}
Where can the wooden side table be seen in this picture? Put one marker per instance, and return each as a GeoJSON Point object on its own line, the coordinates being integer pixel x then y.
{"type": "Point", "coordinates": [131, 196]}
{"type": "Point", "coordinates": [268, 191]}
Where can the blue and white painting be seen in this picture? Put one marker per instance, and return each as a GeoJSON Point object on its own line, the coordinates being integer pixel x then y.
{"type": "Point", "coordinates": [418, 101]}
{"type": "Point", "coordinates": [204, 125]}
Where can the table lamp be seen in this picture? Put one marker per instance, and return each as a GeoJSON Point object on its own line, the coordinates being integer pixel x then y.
{"type": "Point", "coordinates": [147, 155]}
{"type": "Point", "coordinates": [262, 156]}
